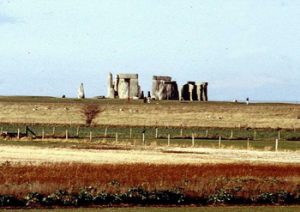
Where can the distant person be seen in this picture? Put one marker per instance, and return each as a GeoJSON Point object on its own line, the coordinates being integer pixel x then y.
{"type": "Point", "coordinates": [247, 100]}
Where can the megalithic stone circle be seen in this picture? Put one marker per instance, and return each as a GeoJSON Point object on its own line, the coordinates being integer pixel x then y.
{"type": "Point", "coordinates": [163, 88]}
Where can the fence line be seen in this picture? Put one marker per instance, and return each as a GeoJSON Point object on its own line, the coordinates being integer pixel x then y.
{"type": "Point", "coordinates": [165, 134]}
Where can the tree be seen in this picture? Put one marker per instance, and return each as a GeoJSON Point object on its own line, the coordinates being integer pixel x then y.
{"type": "Point", "coordinates": [90, 112]}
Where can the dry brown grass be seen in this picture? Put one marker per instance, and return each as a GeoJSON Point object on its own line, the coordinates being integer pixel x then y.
{"type": "Point", "coordinates": [202, 179]}
{"type": "Point", "coordinates": [209, 114]}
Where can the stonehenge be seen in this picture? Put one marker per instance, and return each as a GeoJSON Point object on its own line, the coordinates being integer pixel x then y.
{"type": "Point", "coordinates": [163, 88]}
{"type": "Point", "coordinates": [126, 86]}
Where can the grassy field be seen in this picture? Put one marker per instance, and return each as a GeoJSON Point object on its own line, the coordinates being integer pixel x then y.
{"type": "Point", "coordinates": [48, 110]}
{"type": "Point", "coordinates": [60, 123]}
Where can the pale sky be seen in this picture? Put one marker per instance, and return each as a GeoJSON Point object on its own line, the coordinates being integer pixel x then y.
{"type": "Point", "coordinates": [243, 48]}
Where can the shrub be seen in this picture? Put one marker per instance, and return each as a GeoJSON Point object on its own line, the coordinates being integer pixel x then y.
{"type": "Point", "coordinates": [221, 196]}
{"type": "Point", "coordinates": [9, 200]}
{"type": "Point", "coordinates": [90, 112]}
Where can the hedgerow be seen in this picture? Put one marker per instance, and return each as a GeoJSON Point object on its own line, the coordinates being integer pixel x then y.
{"type": "Point", "coordinates": [140, 196]}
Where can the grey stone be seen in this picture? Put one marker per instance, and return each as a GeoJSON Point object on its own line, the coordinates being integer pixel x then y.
{"type": "Point", "coordinates": [205, 91]}
{"type": "Point", "coordinates": [180, 90]}
{"type": "Point", "coordinates": [163, 88]}
{"type": "Point", "coordinates": [110, 87]}
{"type": "Point", "coordinates": [125, 86]}
{"type": "Point", "coordinates": [80, 92]}
{"type": "Point", "coordinates": [192, 91]}
{"type": "Point", "coordinates": [189, 92]}
{"type": "Point", "coordinates": [128, 76]}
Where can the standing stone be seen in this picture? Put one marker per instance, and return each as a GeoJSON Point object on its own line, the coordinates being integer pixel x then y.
{"type": "Point", "coordinates": [142, 96]}
{"type": "Point", "coordinates": [191, 88]}
{"type": "Point", "coordinates": [205, 91]}
{"type": "Point", "coordinates": [159, 88]}
{"type": "Point", "coordinates": [80, 92]}
{"type": "Point", "coordinates": [180, 90]}
{"type": "Point", "coordinates": [198, 89]}
{"type": "Point", "coordinates": [110, 87]}
{"type": "Point", "coordinates": [123, 89]}
{"type": "Point", "coordinates": [128, 86]}
{"type": "Point", "coordinates": [185, 92]}
{"type": "Point", "coordinates": [116, 86]}
{"type": "Point", "coordinates": [201, 92]}
{"type": "Point", "coordinates": [189, 91]}
{"type": "Point", "coordinates": [163, 88]}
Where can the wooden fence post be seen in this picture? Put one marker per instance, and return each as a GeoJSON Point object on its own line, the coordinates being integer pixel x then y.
{"type": "Point", "coordinates": [43, 133]}
{"type": "Point", "coordinates": [206, 133]}
{"type": "Point", "coordinates": [105, 132]}
{"type": "Point", "coordinates": [67, 134]}
{"type": "Point", "coordinates": [278, 136]}
{"type": "Point", "coordinates": [193, 140]}
{"type": "Point", "coordinates": [254, 135]}
{"type": "Point", "coordinates": [116, 137]}
{"type": "Point", "coordinates": [91, 135]}
{"type": "Point", "coordinates": [248, 144]}
{"type": "Point", "coordinates": [156, 132]}
{"type": "Point", "coordinates": [77, 131]}
{"type": "Point", "coordinates": [220, 139]}
{"type": "Point", "coordinates": [168, 139]}
{"type": "Point", "coordinates": [276, 145]}
{"type": "Point", "coordinates": [181, 132]}
{"type": "Point", "coordinates": [18, 135]}
{"type": "Point", "coordinates": [143, 138]}
{"type": "Point", "coordinates": [53, 131]}
{"type": "Point", "coordinates": [231, 134]}
{"type": "Point", "coordinates": [130, 133]}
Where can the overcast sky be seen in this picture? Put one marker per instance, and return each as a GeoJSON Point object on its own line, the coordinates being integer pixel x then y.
{"type": "Point", "coordinates": [242, 48]}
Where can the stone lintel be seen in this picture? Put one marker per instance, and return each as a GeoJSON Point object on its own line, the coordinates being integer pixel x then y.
{"type": "Point", "coordinates": [128, 76]}
{"type": "Point", "coordinates": [171, 83]}
{"type": "Point", "coordinates": [191, 82]}
{"type": "Point", "coordinates": [164, 78]}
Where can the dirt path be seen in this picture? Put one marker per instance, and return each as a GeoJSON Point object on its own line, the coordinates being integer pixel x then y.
{"type": "Point", "coordinates": [177, 155]}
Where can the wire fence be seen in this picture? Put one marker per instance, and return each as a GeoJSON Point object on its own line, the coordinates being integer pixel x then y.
{"type": "Point", "coordinates": [266, 139]}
